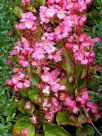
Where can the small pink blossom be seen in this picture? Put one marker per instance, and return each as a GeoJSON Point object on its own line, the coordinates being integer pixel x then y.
{"type": "Point", "coordinates": [28, 105]}
{"type": "Point", "coordinates": [50, 12]}
{"type": "Point", "coordinates": [9, 83]}
{"type": "Point", "coordinates": [24, 132]}
{"type": "Point", "coordinates": [61, 14]}
{"type": "Point", "coordinates": [34, 119]}
{"type": "Point", "coordinates": [39, 53]}
{"type": "Point", "coordinates": [46, 90]}
{"type": "Point", "coordinates": [20, 85]}
{"type": "Point", "coordinates": [26, 83]}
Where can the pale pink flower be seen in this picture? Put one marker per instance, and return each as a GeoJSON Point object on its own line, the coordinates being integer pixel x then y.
{"type": "Point", "coordinates": [28, 105]}
{"type": "Point", "coordinates": [49, 116]}
{"type": "Point", "coordinates": [26, 83]}
{"type": "Point", "coordinates": [50, 48]}
{"type": "Point", "coordinates": [15, 80]}
{"type": "Point", "coordinates": [50, 12]}
{"type": "Point", "coordinates": [24, 63]}
{"type": "Point", "coordinates": [46, 90]}
{"type": "Point", "coordinates": [20, 85]}
{"type": "Point", "coordinates": [34, 119]}
{"type": "Point", "coordinates": [39, 53]}
{"type": "Point", "coordinates": [61, 14]}
{"type": "Point", "coordinates": [55, 88]}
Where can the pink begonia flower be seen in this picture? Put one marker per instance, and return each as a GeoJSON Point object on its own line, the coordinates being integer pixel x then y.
{"type": "Point", "coordinates": [15, 88]}
{"type": "Point", "coordinates": [88, 1]}
{"type": "Point", "coordinates": [46, 90]}
{"type": "Point", "coordinates": [21, 75]}
{"type": "Point", "coordinates": [27, 21]}
{"type": "Point", "coordinates": [34, 119]}
{"type": "Point", "coordinates": [20, 85]}
{"type": "Point", "coordinates": [25, 2]}
{"type": "Point", "coordinates": [50, 12]}
{"type": "Point", "coordinates": [24, 132]}
{"type": "Point", "coordinates": [28, 15]}
{"type": "Point", "coordinates": [39, 53]}
{"type": "Point", "coordinates": [26, 83]}
{"type": "Point", "coordinates": [48, 36]}
{"type": "Point", "coordinates": [49, 116]}
{"type": "Point", "coordinates": [61, 14]}
{"type": "Point", "coordinates": [43, 17]}
{"type": "Point", "coordinates": [24, 63]}
{"type": "Point", "coordinates": [51, 2]}
{"type": "Point", "coordinates": [55, 88]}
{"type": "Point", "coordinates": [97, 39]}
{"type": "Point", "coordinates": [50, 48]}
{"type": "Point", "coordinates": [82, 19]}
{"type": "Point", "coordinates": [15, 80]}
{"type": "Point", "coordinates": [28, 105]}
{"type": "Point", "coordinates": [45, 77]}
{"type": "Point", "coordinates": [20, 26]}
{"type": "Point", "coordinates": [93, 106]}
{"type": "Point", "coordinates": [84, 61]}
{"type": "Point", "coordinates": [29, 24]}
{"type": "Point", "coordinates": [9, 83]}
{"type": "Point", "coordinates": [75, 109]}
{"type": "Point", "coordinates": [62, 96]}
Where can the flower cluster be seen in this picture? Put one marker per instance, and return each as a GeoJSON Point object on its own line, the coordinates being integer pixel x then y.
{"type": "Point", "coordinates": [82, 48]}
{"type": "Point", "coordinates": [28, 21]}
{"type": "Point", "coordinates": [60, 23]}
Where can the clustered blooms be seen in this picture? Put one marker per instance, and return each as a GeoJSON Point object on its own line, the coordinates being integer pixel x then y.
{"type": "Point", "coordinates": [82, 48]}
{"type": "Point", "coordinates": [61, 23]}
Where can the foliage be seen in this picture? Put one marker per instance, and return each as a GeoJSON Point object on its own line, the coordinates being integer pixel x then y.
{"type": "Point", "coordinates": [32, 81]}
{"type": "Point", "coordinates": [50, 72]}
{"type": "Point", "coordinates": [7, 38]}
{"type": "Point", "coordinates": [94, 28]}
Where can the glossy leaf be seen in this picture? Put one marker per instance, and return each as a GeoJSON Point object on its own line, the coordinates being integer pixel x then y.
{"type": "Point", "coordinates": [41, 2]}
{"type": "Point", "coordinates": [89, 130]}
{"type": "Point", "coordinates": [33, 94]}
{"type": "Point", "coordinates": [22, 108]}
{"type": "Point", "coordinates": [51, 129]}
{"type": "Point", "coordinates": [62, 118]}
{"type": "Point", "coordinates": [23, 123]}
{"type": "Point", "coordinates": [80, 132]}
{"type": "Point", "coordinates": [17, 11]}
{"type": "Point", "coordinates": [82, 118]}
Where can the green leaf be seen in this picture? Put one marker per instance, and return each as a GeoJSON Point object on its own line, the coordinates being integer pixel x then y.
{"type": "Point", "coordinates": [79, 69]}
{"type": "Point", "coordinates": [82, 118]}
{"type": "Point", "coordinates": [62, 118]}
{"type": "Point", "coordinates": [51, 129]}
{"type": "Point", "coordinates": [89, 130]}
{"type": "Point", "coordinates": [21, 105]}
{"type": "Point", "coordinates": [17, 11]}
{"type": "Point", "coordinates": [82, 83]}
{"type": "Point", "coordinates": [33, 94]}
{"type": "Point", "coordinates": [24, 93]}
{"type": "Point", "coordinates": [34, 78]}
{"type": "Point", "coordinates": [41, 2]}
{"type": "Point", "coordinates": [23, 123]}
{"type": "Point", "coordinates": [80, 132]}
{"type": "Point", "coordinates": [67, 64]}
{"type": "Point", "coordinates": [21, 108]}
{"type": "Point", "coordinates": [31, 110]}
{"type": "Point", "coordinates": [39, 134]}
